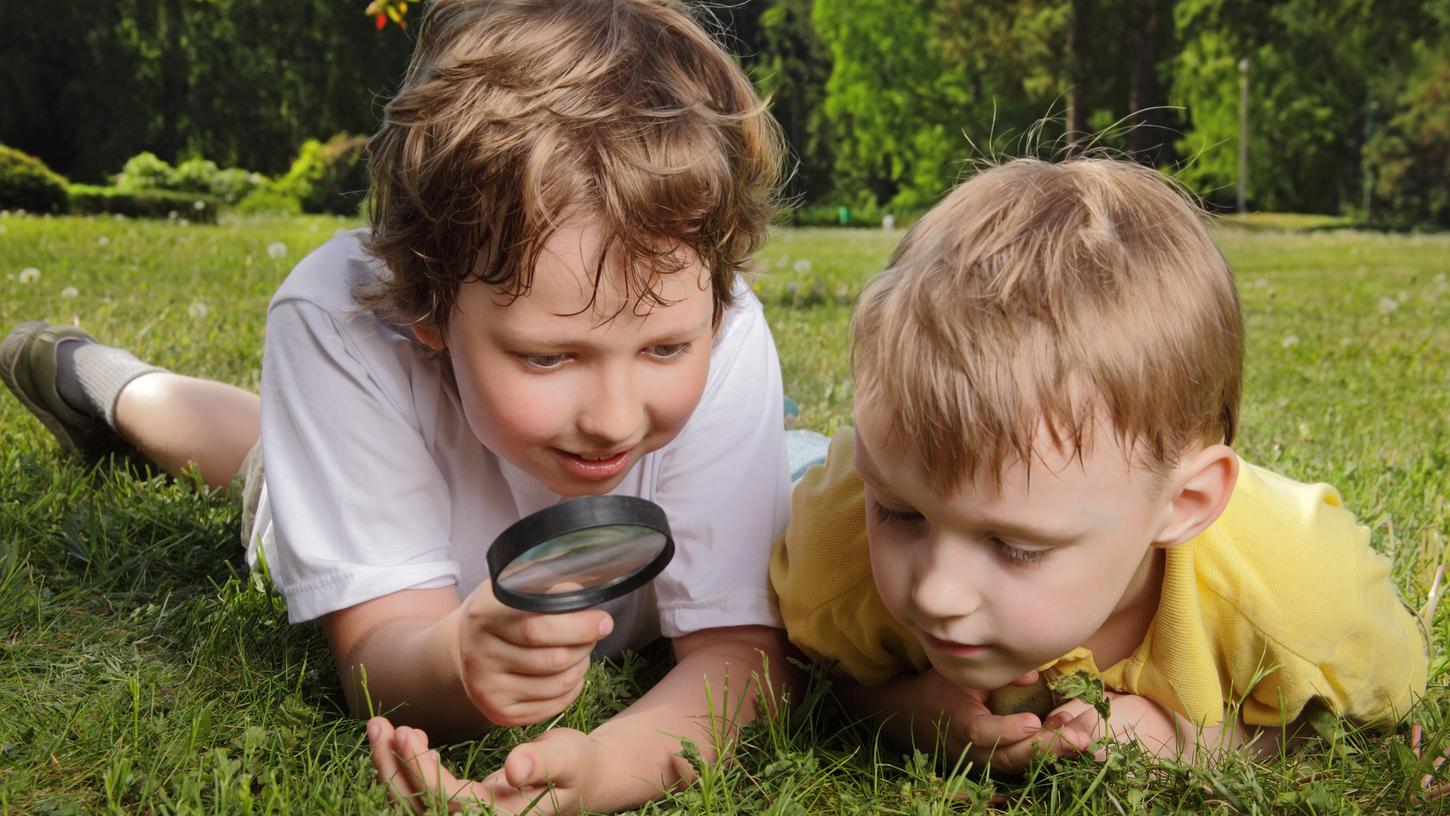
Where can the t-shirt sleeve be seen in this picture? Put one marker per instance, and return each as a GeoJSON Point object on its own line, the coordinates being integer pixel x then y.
{"type": "Point", "coordinates": [360, 509]}
{"type": "Point", "coordinates": [724, 482]}
{"type": "Point", "coordinates": [820, 570]}
{"type": "Point", "coordinates": [1325, 622]}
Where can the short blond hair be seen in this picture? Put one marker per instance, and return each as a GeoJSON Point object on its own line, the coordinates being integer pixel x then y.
{"type": "Point", "coordinates": [518, 115]}
{"type": "Point", "coordinates": [1051, 294]}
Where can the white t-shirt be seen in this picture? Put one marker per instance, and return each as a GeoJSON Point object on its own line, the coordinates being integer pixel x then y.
{"type": "Point", "coordinates": [375, 483]}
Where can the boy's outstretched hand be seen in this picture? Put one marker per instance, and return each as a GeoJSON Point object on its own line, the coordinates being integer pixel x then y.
{"type": "Point", "coordinates": [1005, 743]}
{"type": "Point", "coordinates": [550, 773]}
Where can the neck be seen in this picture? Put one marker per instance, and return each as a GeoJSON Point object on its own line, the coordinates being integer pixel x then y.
{"type": "Point", "coordinates": [1125, 628]}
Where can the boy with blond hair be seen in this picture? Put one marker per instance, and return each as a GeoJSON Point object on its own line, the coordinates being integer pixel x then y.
{"type": "Point", "coordinates": [1040, 482]}
{"type": "Point", "coordinates": [548, 304]}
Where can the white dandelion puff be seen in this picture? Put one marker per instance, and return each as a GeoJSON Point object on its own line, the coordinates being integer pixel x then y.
{"type": "Point", "coordinates": [3, 229]}
{"type": "Point", "coordinates": [802, 266]}
{"type": "Point", "coordinates": [197, 310]}
{"type": "Point", "coordinates": [29, 275]}
{"type": "Point", "coordinates": [1388, 305]}
{"type": "Point", "coordinates": [276, 249]}
{"type": "Point", "coordinates": [70, 293]}
{"type": "Point", "coordinates": [888, 221]}
{"type": "Point", "coordinates": [198, 205]}
{"type": "Point", "coordinates": [103, 240]}
{"type": "Point", "coordinates": [1290, 341]}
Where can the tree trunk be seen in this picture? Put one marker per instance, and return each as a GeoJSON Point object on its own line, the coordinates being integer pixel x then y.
{"type": "Point", "coordinates": [1144, 95]}
{"type": "Point", "coordinates": [1077, 46]}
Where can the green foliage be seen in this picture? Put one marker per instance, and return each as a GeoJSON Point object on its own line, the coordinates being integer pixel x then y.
{"type": "Point", "coordinates": [144, 171]}
{"type": "Point", "coordinates": [27, 184]}
{"type": "Point", "coordinates": [328, 177]}
{"type": "Point", "coordinates": [1411, 153]}
{"type": "Point", "coordinates": [268, 199]}
{"type": "Point", "coordinates": [92, 200]}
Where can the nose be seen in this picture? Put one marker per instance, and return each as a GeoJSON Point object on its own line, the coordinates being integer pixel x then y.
{"type": "Point", "coordinates": [613, 413]}
{"type": "Point", "coordinates": [945, 584]}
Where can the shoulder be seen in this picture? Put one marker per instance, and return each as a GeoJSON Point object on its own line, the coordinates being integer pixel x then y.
{"type": "Point", "coordinates": [327, 276]}
{"type": "Point", "coordinates": [1289, 560]}
{"type": "Point", "coordinates": [823, 553]}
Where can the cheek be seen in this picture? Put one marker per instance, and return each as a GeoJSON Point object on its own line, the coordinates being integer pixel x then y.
{"type": "Point", "coordinates": [890, 571]}
{"type": "Point", "coordinates": [674, 395]}
{"type": "Point", "coordinates": [508, 411]}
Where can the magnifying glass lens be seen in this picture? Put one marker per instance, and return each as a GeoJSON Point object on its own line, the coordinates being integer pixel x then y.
{"type": "Point", "coordinates": [597, 557]}
{"type": "Point", "coordinates": [580, 553]}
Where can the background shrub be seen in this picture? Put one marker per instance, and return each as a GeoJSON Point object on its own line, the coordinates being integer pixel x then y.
{"type": "Point", "coordinates": [27, 184]}
{"type": "Point", "coordinates": [268, 199]}
{"type": "Point", "coordinates": [328, 177]}
{"type": "Point", "coordinates": [92, 200]}
{"type": "Point", "coordinates": [144, 171]}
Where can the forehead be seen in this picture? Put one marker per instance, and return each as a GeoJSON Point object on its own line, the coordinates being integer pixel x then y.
{"type": "Point", "coordinates": [570, 287]}
{"type": "Point", "coordinates": [1056, 480]}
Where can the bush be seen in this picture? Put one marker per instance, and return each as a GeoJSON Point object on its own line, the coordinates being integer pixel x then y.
{"type": "Point", "coordinates": [195, 175]}
{"type": "Point", "coordinates": [92, 200]}
{"type": "Point", "coordinates": [27, 184]}
{"type": "Point", "coordinates": [268, 199]}
{"type": "Point", "coordinates": [328, 177]}
{"type": "Point", "coordinates": [234, 184]}
{"type": "Point", "coordinates": [144, 171]}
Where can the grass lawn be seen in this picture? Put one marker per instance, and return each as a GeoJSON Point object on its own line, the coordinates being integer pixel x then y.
{"type": "Point", "coordinates": [142, 669]}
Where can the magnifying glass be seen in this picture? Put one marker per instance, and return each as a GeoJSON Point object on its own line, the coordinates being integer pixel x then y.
{"type": "Point", "coordinates": [580, 553]}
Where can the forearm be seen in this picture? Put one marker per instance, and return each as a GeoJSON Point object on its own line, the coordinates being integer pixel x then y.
{"type": "Point", "coordinates": [705, 698]}
{"type": "Point", "coordinates": [407, 669]}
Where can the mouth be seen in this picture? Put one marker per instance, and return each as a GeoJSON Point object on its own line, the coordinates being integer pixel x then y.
{"type": "Point", "coordinates": [595, 466]}
{"type": "Point", "coordinates": [952, 647]}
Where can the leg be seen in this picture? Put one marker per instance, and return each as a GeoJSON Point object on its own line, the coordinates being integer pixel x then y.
{"type": "Point", "coordinates": [175, 420]}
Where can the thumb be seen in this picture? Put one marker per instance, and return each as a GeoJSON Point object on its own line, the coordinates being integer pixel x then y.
{"type": "Point", "coordinates": [553, 757]}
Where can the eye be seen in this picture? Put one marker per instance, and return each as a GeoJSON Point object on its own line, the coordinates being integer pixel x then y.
{"type": "Point", "coordinates": [1017, 555]}
{"type": "Point", "coordinates": [895, 517]}
{"type": "Point", "coordinates": [543, 362]}
{"type": "Point", "coordinates": [668, 351]}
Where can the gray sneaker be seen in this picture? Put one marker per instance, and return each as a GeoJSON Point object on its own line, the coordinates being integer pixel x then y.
{"type": "Point", "coordinates": [28, 368]}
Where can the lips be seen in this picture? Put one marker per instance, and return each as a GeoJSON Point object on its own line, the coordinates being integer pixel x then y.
{"type": "Point", "coordinates": [593, 468]}
{"type": "Point", "coordinates": [952, 647]}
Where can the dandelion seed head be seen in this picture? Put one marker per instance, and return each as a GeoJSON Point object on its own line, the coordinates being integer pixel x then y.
{"type": "Point", "coordinates": [197, 310]}
{"type": "Point", "coordinates": [1290, 341]}
{"type": "Point", "coordinates": [802, 266]}
{"type": "Point", "coordinates": [70, 293]}
{"type": "Point", "coordinates": [198, 205]}
{"type": "Point", "coordinates": [103, 240]}
{"type": "Point", "coordinates": [276, 249]}
{"type": "Point", "coordinates": [29, 275]}
{"type": "Point", "coordinates": [1388, 305]}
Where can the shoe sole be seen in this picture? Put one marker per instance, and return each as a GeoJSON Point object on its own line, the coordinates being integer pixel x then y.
{"type": "Point", "coordinates": [16, 374]}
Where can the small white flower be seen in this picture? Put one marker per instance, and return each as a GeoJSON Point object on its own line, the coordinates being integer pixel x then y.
{"type": "Point", "coordinates": [181, 222]}
{"type": "Point", "coordinates": [276, 249]}
{"type": "Point", "coordinates": [103, 240]}
{"type": "Point", "coordinates": [888, 221]}
{"type": "Point", "coordinates": [29, 275]}
{"type": "Point", "coordinates": [172, 215]}
{"type": "Point", "coordinates": [3, 229]}
{"type": "Point", "coordinates": [802, 266]}
{"type": "Point", "coordinates": [1388, 305]}
{"type": "Point", "coordinates": [197, 310]}
{"type": "Point", "coordinates": [70, 293]}
{"type": "Point", "coordinates": [1290, 341]}
{"type": "Point", "coordinates": [198, 205]}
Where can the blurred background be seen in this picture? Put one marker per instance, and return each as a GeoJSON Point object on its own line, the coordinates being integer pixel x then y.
{"type": "Point", "coordinates": [1334, 107]}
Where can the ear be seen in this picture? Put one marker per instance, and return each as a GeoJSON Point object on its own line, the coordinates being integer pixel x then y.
{"type": "Point", "coordinates": [429, 335]}
{"type": "Point", "coordinates": [1198, 491]}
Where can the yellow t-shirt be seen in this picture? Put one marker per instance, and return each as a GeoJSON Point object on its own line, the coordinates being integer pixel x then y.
{"type": "Point", "coordinates": [1283, 584]}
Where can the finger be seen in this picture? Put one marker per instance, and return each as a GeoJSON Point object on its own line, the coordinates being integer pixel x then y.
{"type": "Point", "coordinates": [988, 730]}
{"type": "Point", "coordinates": [1028, 679]}
{"type": "Point", "coordinates": [390, 771]}
{"type": "Point", "coordinates": [1083, 730]}
{"type": "Point", "coordinates": [543, 661]}
{"type": "Point", "coordinates": [433, 782]}
{"type": "Point", "coordinates": [1065, 713]}
{"type": "Point", "coordinates": [552, 759]}
{"type": "Point", "coordinates": [533, 629]}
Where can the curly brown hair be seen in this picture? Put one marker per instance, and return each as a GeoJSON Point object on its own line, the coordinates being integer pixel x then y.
{"type": "Point", "coordinates": [516, 116]}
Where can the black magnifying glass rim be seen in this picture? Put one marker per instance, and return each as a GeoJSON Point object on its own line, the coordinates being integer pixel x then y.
{"type": "Point", "coordinates": [571, 516]}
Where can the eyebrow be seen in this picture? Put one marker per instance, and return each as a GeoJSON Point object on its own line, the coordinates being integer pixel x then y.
{"type": "Point", "coordinates": [1009, 528]}
{"type": "Point", "coordinates": [525, 340]}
